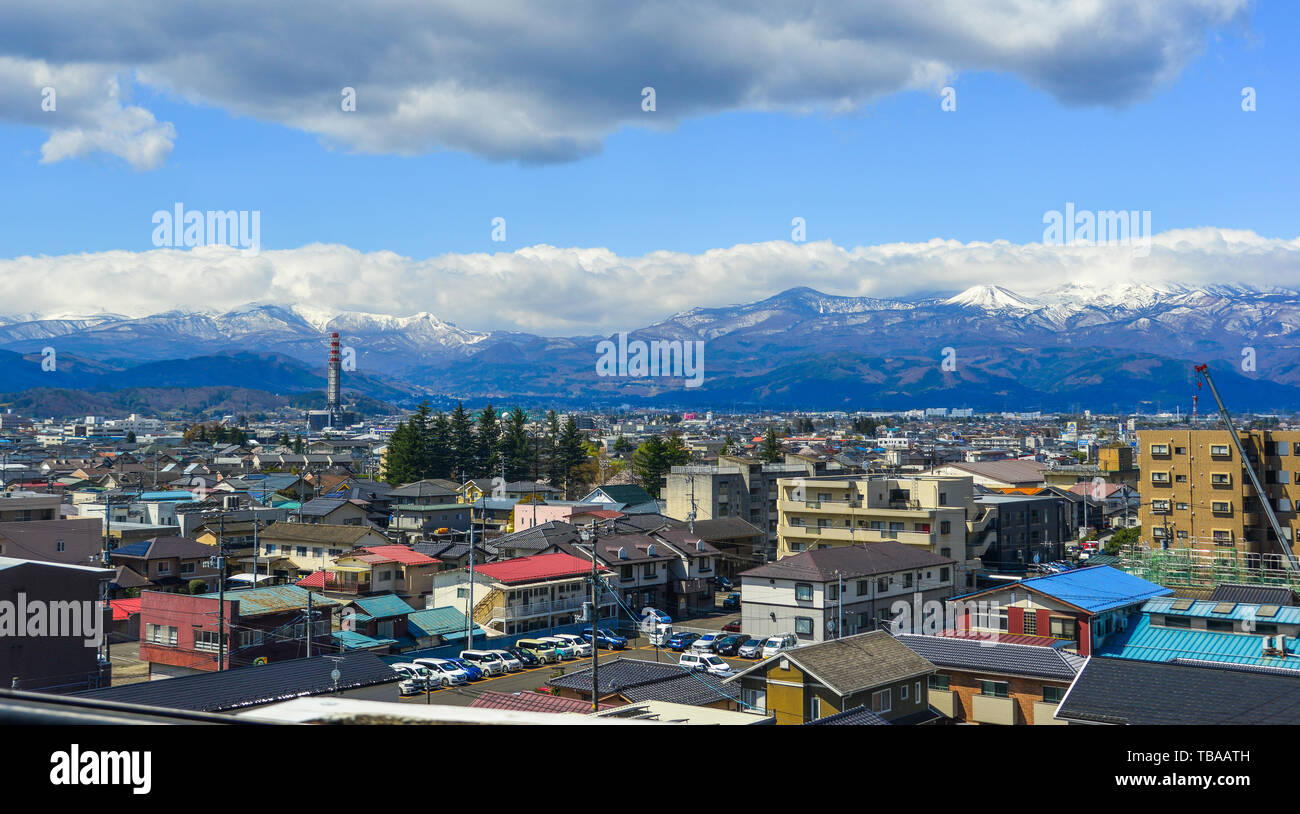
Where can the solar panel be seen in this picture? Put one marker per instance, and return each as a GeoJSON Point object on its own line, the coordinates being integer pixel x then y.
{"type": "Point", "coordinates": [1266, 611]}
{"type": "Point", "coordinates": [1225, 607]}
{"type": "Point", "coordinates": [1182, 604]}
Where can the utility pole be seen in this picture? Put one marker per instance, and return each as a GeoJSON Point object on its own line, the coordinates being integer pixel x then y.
{"type": "Point", "coordinates": [591, 536]}
{"type": "Point", "coordinates": [221, 592]}
{"type": "Point", "coordinates": [310, 626]}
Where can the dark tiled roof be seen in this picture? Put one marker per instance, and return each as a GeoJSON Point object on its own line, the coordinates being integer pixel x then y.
{"type": "Point", "coordinates": [251, 686]}
{"type": "Point", "coordinates": [1123, 691]}
{"type": "Point", "coordinates": [538, 538]}
{"type": "Point", "coordinates": [854, 663]}
{"type": "Point", "coordinates": [858, 716]}
{"type": "Point", "coordinates": [726, 528]}
{"type": "Point", "coordinates": [991, 657]}
{"type": "Point", "coordinates": [650, 681]}
{"type": "Point", "coordinates": [861, 560]}
{"type": "Point", "coordinates": [1254, 594]}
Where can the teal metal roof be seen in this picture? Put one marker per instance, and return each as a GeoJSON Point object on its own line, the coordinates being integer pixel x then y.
{"type": "Point", "coordinates": [383, 606]}
{"type": "Point", "coordinates": [1146, 642]}
{"type": "Point", "coordinates": [273, 599]}
{"type": "Point", "coordinates": [1205, 609]}
{"type": "Point", "coordinates": [352, 640]}
{"type": "Point", "coordinates": [443, 622]}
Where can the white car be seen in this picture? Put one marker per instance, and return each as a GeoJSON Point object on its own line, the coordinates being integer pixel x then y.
{"type": "Point", "coordinates": [705, 643]}
{"type": "Point", "coordinates": [444, 672]}
{"type": "Point", "coordinates": [779, 643]}
{"type": "Point", "coordinates": [412, 681]}
{"type": "Point", "coordinates": [513, 664]}
{"type": "Point", "coordinates": [661, 635]}
{"type": "Point", "coordinates": [486, 660]}
{"type": "Point", "coordinates": [580, 645]}
{"type": "Point", "coordinates": [707, 662]}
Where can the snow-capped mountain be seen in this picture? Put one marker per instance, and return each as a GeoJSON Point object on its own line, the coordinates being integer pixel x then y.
{"type": "Point", "coordinates": [1076, 340]}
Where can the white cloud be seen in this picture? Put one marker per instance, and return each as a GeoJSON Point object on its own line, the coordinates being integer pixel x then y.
{"type": "Point", "coordinates": [558, 291]}
{"type": "Point", "coordinates": [544, 81]}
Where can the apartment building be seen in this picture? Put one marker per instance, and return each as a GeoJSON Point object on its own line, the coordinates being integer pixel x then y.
{"type": "Point", "coordinates": [735, 487]}
{"type": "Point", "coordinates": [25, 506]}
{"type": "Point", "coordinates": [927, 511]}
{"type": "Point", "coordinates": [1197, 493]}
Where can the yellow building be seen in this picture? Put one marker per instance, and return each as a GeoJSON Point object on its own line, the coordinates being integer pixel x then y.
{"type": "Point", "coordinates": [1196, 493]}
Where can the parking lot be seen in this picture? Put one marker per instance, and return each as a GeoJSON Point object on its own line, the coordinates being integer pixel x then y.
{"type": "Point", "coordinates": [533, 678]}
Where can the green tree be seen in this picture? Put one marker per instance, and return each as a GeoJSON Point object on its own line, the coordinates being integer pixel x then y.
{"type": "Point", "coordinates": [771, 446]}
{"type": "Point", "coordinates": [487, 443]}
{"type": "Point", "coordinates": [437, 449]}
{"type": "Point", "coordinates": [516, 447]}
{"type": "Point", "coordinates": [1121, 538]}
{"type": "Point", "coordinates": [461, 443]}
{"type": "Point", "coordinates": [622, 446]}
{"type": "Point", "coordinates": [130, 436]}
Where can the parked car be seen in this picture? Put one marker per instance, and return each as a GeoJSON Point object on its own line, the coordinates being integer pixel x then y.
{"type": "Point", "coordinates": [544, 650]}
{"type": "Point", "coordinates": [607, 639]}
{"type": "Point", "coordinates": [581, 646]}
{"type": "Point", "coordinates": [705, 662]}
{"type": "Point", "coordinates": [732, 627]}
{"type": "Point", "coordinates": [525, 657]}
{"type": "Point", "coordinates": [566, 649]}
{"type": "Point", "coordinates": [443, 672]}
{"type": "Point", "coordinates": [681, 641]}
{"type": "Point", "coordinates": [661, 617]}
{"type": "Point", "coordinates": [472, 671]}
{"type": "Point", "coordinates": [412, 681]}
{"type": "Point", "coordinates": [724, 584]}
{"type": "Point", "coordinates": [513, 665]}
{"type": "Point", "coordinates": [731, 601]}
{"type": "Point", "coordinates": [751, 649]}
{"type": "Point", "coordinates": [728, 645]}
{"type": "Point", "coordinates": [488, 661]}
{"type": "Point", "coordinates": [776, 644]}
{"type": "Point", "coordinates": [705, 643]}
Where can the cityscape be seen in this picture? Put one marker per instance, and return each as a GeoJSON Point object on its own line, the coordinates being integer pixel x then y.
{"type": "Point", "coordinates": [834, 365]}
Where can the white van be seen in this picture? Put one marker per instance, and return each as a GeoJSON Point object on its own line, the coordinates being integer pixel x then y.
{"type": "Point", "coordinates": [706, 662]}
{"type": "Point", "coordinates": [443, 672]}
{"type": "Point", "coordinates": [580, 645]}
{"type": "Point", "coordinates": [513, 664]}
{"type": "Point", "coordinates": [488, 661]}
{"type": "Point", "coordinates": [775, 644]}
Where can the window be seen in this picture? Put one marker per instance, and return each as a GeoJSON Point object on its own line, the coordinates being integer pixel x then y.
{"type": "Point", "coordinates": [1221, 625]}
{"type": "Point", "coordinates": [902, 693]}
{"type": "Point", "coordinates": [1159, 477]}
{"type": "Point", "coordinates": [1180, 450]}
{"type": "Point", "coordinates": [270, 548]}
{"type": "Point", "coordinates": [833, 591]}
{"type": "Point", "coordinates": [160, 634]}
{"type": "Point", "coordinates": [753, 700]}
{"type": "Point", "coordinates": [463, 593]}
{"type": "Point", "coordinates": [943, 574]}
{"type": "Point", "coordinates": [907, 580]}
{"type": "Point", "coordinates": [1219, 450]}
{"type": "Point", "coordinates": [864, 587]}
{"type": "Point", "coordinates": [1030, 624]}
{"type": "Point", "coordinates": [803, 625]}
{"type": "Point", "coordinates": [1220, 479]}
{"type": "Point", "coordinates": [1053, 695]}
{"type": "Point", "coordinates": [816, 708]}
{"type": "Point", "coordinates": [627, 572]}
{"type": "Point", "coordinates": [59, 545]}
{"type": "Point", "coordinates": [302, 551]}
{"type": "Point", "coordinates": [318, 552]}
{"type": "Point", "coordinates": [882, 701]}
{"type": "Point", "coordinates": [1221, 507]}
{"type": "Point", "coordinates": [1159, 449]}
{"type": "Point", "coordinates": [648, 571]}
{"type": "Point", "coordinates": [1178, 621]}
{"type": "Point", "coordinates": [1062, 627]}
{"type": "Point", "coordinates": [938, 681]}
{"type": "Point", "coordinates": [943, 498]}
{"type": "Point", "coordinates": [882, 585]}
{"type": "Point", "coordinates": [164, 568]}
{"type": "Point", "coordinates": [187, 568]}
{"type": "Point", "coordinates": [208, 640]}
{"type": "Point", "coordinates": [803, 592]}
{"type": "Point", "coordinates": [994, 689]}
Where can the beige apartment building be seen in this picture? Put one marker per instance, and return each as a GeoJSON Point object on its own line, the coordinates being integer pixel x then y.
{"type": "Point", "coordinates": [1196, 493]}
{"type": "Point", "coordinates": [936, 513]}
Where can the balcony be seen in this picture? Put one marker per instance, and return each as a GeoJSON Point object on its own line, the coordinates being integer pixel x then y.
{"type": "Point", "coordinates": [987, 709]}
{"type": "Point", "coordinates": [945, 701]}
{"type": "Point", "coordinates": [524, 611]}
{"type": "Point", "coordinates": [1044, 712]}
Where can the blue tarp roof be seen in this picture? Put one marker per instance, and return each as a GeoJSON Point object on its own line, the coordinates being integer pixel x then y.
{"type": "Point", "coordinates": [1097, 589]}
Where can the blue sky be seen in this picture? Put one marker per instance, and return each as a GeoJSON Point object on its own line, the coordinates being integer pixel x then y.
{"type": "Point", "coordinates": [899, 169]}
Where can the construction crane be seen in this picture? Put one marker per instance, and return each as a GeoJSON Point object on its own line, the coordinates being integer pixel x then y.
{"type": "Point", "coordinates": [1287, 553]}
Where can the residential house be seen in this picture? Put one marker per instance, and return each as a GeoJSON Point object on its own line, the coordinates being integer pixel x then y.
{"type": "Point", "coordinates": [183, 634]}
{"type": "Point", "coordinates": [623, 681]}
{"type": "Point", "coordinates": [987, 681]}
{"type": "Point", "coordinates": [294, 550]}
{"type": "Point", "coordinates": [168, 563]}
{"type": "Point", "coordinates": [1081, 608]}
{"type": "Point", "coordinates": [869, 669]}
{"type": "Point", "coordinates": [1179, 629]}
{"type": "Point", "coordinates": [64, 657]}
{"type": "Point", "coordinates": [813, 593]}
{"type": "Point", "coordinates": [524, 594]}
{"type": "Point", "coordinates": [374, 569]}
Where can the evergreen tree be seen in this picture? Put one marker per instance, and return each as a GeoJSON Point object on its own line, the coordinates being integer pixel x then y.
{"type": "Point", "coordinates": [516, 446]}
{"type": "Point", "coordinates": [771, 446]}
{"type": "Point", "coordinates": [130, 437]}
{"type": "Point", "coordinates": [487, 442]}
{"type": "Point", "coordinates": [400, 460]}
{"type": "Point", "coordinates": [648, 464]}
{"type": "Point", "coordinates": [461, 443]}
{"type": "Point", "coordinates": [438, 447]}
{"type": "Point", "coordinates": [571, 454]}
{"type": "Point", "coordinates": [622, 446]}
{"type": "Point", "coordinates": [419, 427]}
{"type": "Point", "coordinates": [553, 461]}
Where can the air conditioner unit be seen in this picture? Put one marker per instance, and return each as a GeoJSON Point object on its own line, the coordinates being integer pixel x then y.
{"type": "Point", "coordinates": [1274, 645]}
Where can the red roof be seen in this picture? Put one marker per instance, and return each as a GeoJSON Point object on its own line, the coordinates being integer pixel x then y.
{"type": "Point", "coordinates": [400, 553]}
{"type": "Point", "coordinates": [316, 580]}
{"type": "Point", "coordinates": [1003, 638]}
{"type": "Point", "coordinates": [531, 702]}
{"type": "Point", "coordinates": [124, 608]}
{"type": "Point", "coordinates": [536, 567]}
{"type": "Point", "coordinates": [607, 514]}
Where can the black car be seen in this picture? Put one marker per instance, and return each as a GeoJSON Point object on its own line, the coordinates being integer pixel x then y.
{"type": "Point", "coordinates": [724, 584]}
{"type": "Point", "coordinates": [526, 658]}
{"type": "Point", "coordinates": [729, 645]}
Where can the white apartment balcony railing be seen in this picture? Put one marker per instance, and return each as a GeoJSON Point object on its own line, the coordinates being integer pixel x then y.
{"type": "Point", "coordinates": [511, 612]}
